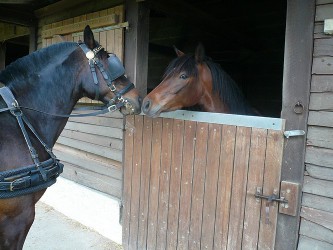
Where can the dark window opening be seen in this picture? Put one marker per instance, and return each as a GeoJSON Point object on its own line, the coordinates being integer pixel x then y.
{"type": "Point", "coordinates": [245, 37]}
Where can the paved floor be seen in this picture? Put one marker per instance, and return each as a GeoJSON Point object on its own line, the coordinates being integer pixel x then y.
{"type": "Point", "coordinates": [52, 231]}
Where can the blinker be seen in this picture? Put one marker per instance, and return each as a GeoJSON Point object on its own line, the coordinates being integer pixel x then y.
{"type": "Point", "coordinates": [116, 68]}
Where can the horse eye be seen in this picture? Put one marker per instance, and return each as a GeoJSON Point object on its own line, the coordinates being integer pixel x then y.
{"type": "Point", "coordinates": [183, 76]}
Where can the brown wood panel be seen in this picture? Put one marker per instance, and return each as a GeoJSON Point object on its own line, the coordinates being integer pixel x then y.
{"type": "Point", "coordinates": [154, 183]}
{"type": "Point", "coordinates": [255, 179]}
{"type": "Point", "coordinates": [211, 181]}
{"type": "Point", "coordinates": [224, 187]}
{"type": "Point", "coordinates": [136, 174]}
{"type": "Point", "coordinates": [186, 185]}
{"type": "Point", "coordinates": [239, 182]}
{"type": "Point", "coordinates": [127, 173]}
{"type": "Point", "coordinates": [163, 203]}
{"type": "Point", "coordinates": [175, 182]}
{"type": "Point", "coordinates": [272, 176]}
{"type": "Point", "coordinates": [145, 183]}
{"type": "Point", "coordinates": [199, 193]}
{"type": "Point", "coordinates": [198, 185]}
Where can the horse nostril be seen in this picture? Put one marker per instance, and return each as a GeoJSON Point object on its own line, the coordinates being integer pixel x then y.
{"type": "Point", "coordinates": [146, 105]}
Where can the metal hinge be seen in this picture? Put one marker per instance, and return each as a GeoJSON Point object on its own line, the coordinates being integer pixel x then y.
{"type": "Point", "coordinates": [292, 133]}
{"type": "Point", "coordinates": [288, 200]}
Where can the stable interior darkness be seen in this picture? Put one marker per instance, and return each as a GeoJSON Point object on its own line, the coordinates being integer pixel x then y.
{"type": "Point", "coordinates": [245, 37]}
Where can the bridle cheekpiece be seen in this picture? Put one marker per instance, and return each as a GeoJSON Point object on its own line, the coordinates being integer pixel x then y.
{"type": "Point", "coordinates": [116, 70]}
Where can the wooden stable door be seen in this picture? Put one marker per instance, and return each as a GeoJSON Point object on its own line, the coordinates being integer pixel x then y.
{"type": "Point", "coordinates": [190, 184]}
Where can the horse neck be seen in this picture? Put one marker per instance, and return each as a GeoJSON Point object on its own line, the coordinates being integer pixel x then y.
{"type": "Point", "coordinates": [55, 91]}
{"type": "Point", "coordinates": [210, 101]}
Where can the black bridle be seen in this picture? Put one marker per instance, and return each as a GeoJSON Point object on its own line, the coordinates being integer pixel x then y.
{"type": "Point", "coordinates": [116, 70]}
{"type": "Point", "coordinates": [40, 175]}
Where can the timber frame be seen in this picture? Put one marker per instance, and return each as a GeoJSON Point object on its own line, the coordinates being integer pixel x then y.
{"type": "Point", "coordinates": [296, 88]}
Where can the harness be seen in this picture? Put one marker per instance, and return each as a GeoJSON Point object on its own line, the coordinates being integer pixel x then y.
{"type": "Point", "coordinates": [40, 175]}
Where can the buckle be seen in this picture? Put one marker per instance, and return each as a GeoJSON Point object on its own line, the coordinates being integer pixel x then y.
{"type": "Point", "coordinates": [18, 182]}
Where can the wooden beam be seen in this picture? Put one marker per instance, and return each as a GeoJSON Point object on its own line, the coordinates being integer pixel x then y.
{"type": "Point", "coordinates": [2, 57]}
{"type": "Point", "coordinates": [136, 44]}
{"type": "Point", "coordinates": [296, 87]}
{"type": "Point", "coordinates": [16, 1]}
{"type": "Point", "coordinates": [9, 15]}
{"type": "Point", "coordinates": [79, 26]}
{"type": "Point", "coordinates": [9, 31]}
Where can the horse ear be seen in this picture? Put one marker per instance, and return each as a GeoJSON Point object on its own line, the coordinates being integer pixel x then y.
{"type": "Point", "coordinates": [200, 53]}
{"type": "Point", "coordinates": [178, 52]}
{"type": "Point", "coordinates": [89, 39]}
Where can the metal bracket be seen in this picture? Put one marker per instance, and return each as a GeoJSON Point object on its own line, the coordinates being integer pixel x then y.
{"type": "Point", "coordinates": [292, 133]}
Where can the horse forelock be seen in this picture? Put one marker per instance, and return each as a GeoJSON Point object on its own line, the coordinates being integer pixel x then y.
{"type": "Point", "coordinates": [184, 63]}
{"type": "Point", "coordinates": [33, 63]}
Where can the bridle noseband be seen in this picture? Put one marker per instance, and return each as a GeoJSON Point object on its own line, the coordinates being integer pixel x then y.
{"type": "Point", "coordinates": [116, 71]}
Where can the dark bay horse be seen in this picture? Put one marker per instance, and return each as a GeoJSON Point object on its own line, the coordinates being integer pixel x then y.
{"type": "Point", "coordinates": [48, 82]}
{"type": "Point", "coordinates": [196, 80]}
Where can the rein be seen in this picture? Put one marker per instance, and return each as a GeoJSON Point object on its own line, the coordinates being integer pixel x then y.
{"type": "Point", "coordinates": [40, 175]}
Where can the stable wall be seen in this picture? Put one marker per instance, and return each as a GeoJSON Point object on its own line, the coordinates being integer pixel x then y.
{"type": "Point", "coordinates": [90, 147]}
{"type": "Point", "coordinates": [316, 229]}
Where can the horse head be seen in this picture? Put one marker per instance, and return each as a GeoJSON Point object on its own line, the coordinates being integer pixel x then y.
{"type": "Point", "coordinates": [104, 78]}
{"type": "Point", "coordinates": [184, 84]}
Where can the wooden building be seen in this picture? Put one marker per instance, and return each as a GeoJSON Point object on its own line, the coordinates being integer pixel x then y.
{"type": "Point", "coordinates": [279, 55]}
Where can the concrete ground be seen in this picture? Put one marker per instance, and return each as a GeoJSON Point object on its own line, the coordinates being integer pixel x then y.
{"type": "Point", "coordinates": [70, 216]}
{"type": "Point", "coordinates": [52, 231]}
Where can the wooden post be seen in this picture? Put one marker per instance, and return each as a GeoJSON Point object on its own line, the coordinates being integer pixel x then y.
{"type": "Point", "coordinates": [2, 56]}
{"type": "Point", "coordinates": [32, 39]}
{"type": "Point", "coordinates": [296, 88]}
{"type": "Point", "coordinates": [136, 44]}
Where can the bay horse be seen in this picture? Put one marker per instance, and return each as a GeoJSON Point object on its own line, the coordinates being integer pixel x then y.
{"type": "Point", "coordinates": [196, 80]}
{"type": "Point", "coordinates": [40, 91]}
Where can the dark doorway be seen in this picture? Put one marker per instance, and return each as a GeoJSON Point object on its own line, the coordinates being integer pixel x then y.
{"type": "Point", "coordinates": [245, 37]}
{"type": "Point", "coordinates": [16, 48]}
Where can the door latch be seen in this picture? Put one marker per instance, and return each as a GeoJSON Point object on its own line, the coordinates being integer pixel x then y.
{"type": "Point", "coordinates": [269, 200]}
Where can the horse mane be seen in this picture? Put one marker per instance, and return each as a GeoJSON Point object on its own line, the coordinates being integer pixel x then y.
{"type": "Point", "coordinates": [228, 90]}
{"type": "Point", "coordinates": [28, 65]}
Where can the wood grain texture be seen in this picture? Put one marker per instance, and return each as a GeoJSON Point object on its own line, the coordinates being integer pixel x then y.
{"type": "Point", "coordinates": [239, 183]}
{"type": "Point", "coordinates": [272, 178]}
{"type": "Point", "coordinates": [175, 183]}
{"type": "Point", "coordinates": [225, 176]}
{"type": "Point", "coordinates": [127, 173]}
{"type": "Point", "coordinates": [136, 174]}
{"type": "Point", "coordinates": [255, 179]}
{"type": "Point", "coordinates": [198, 185]}
{"type": "Point", "coordinates": [186, 185]}
{"type": "Point", "coordinates": [145, 183]}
